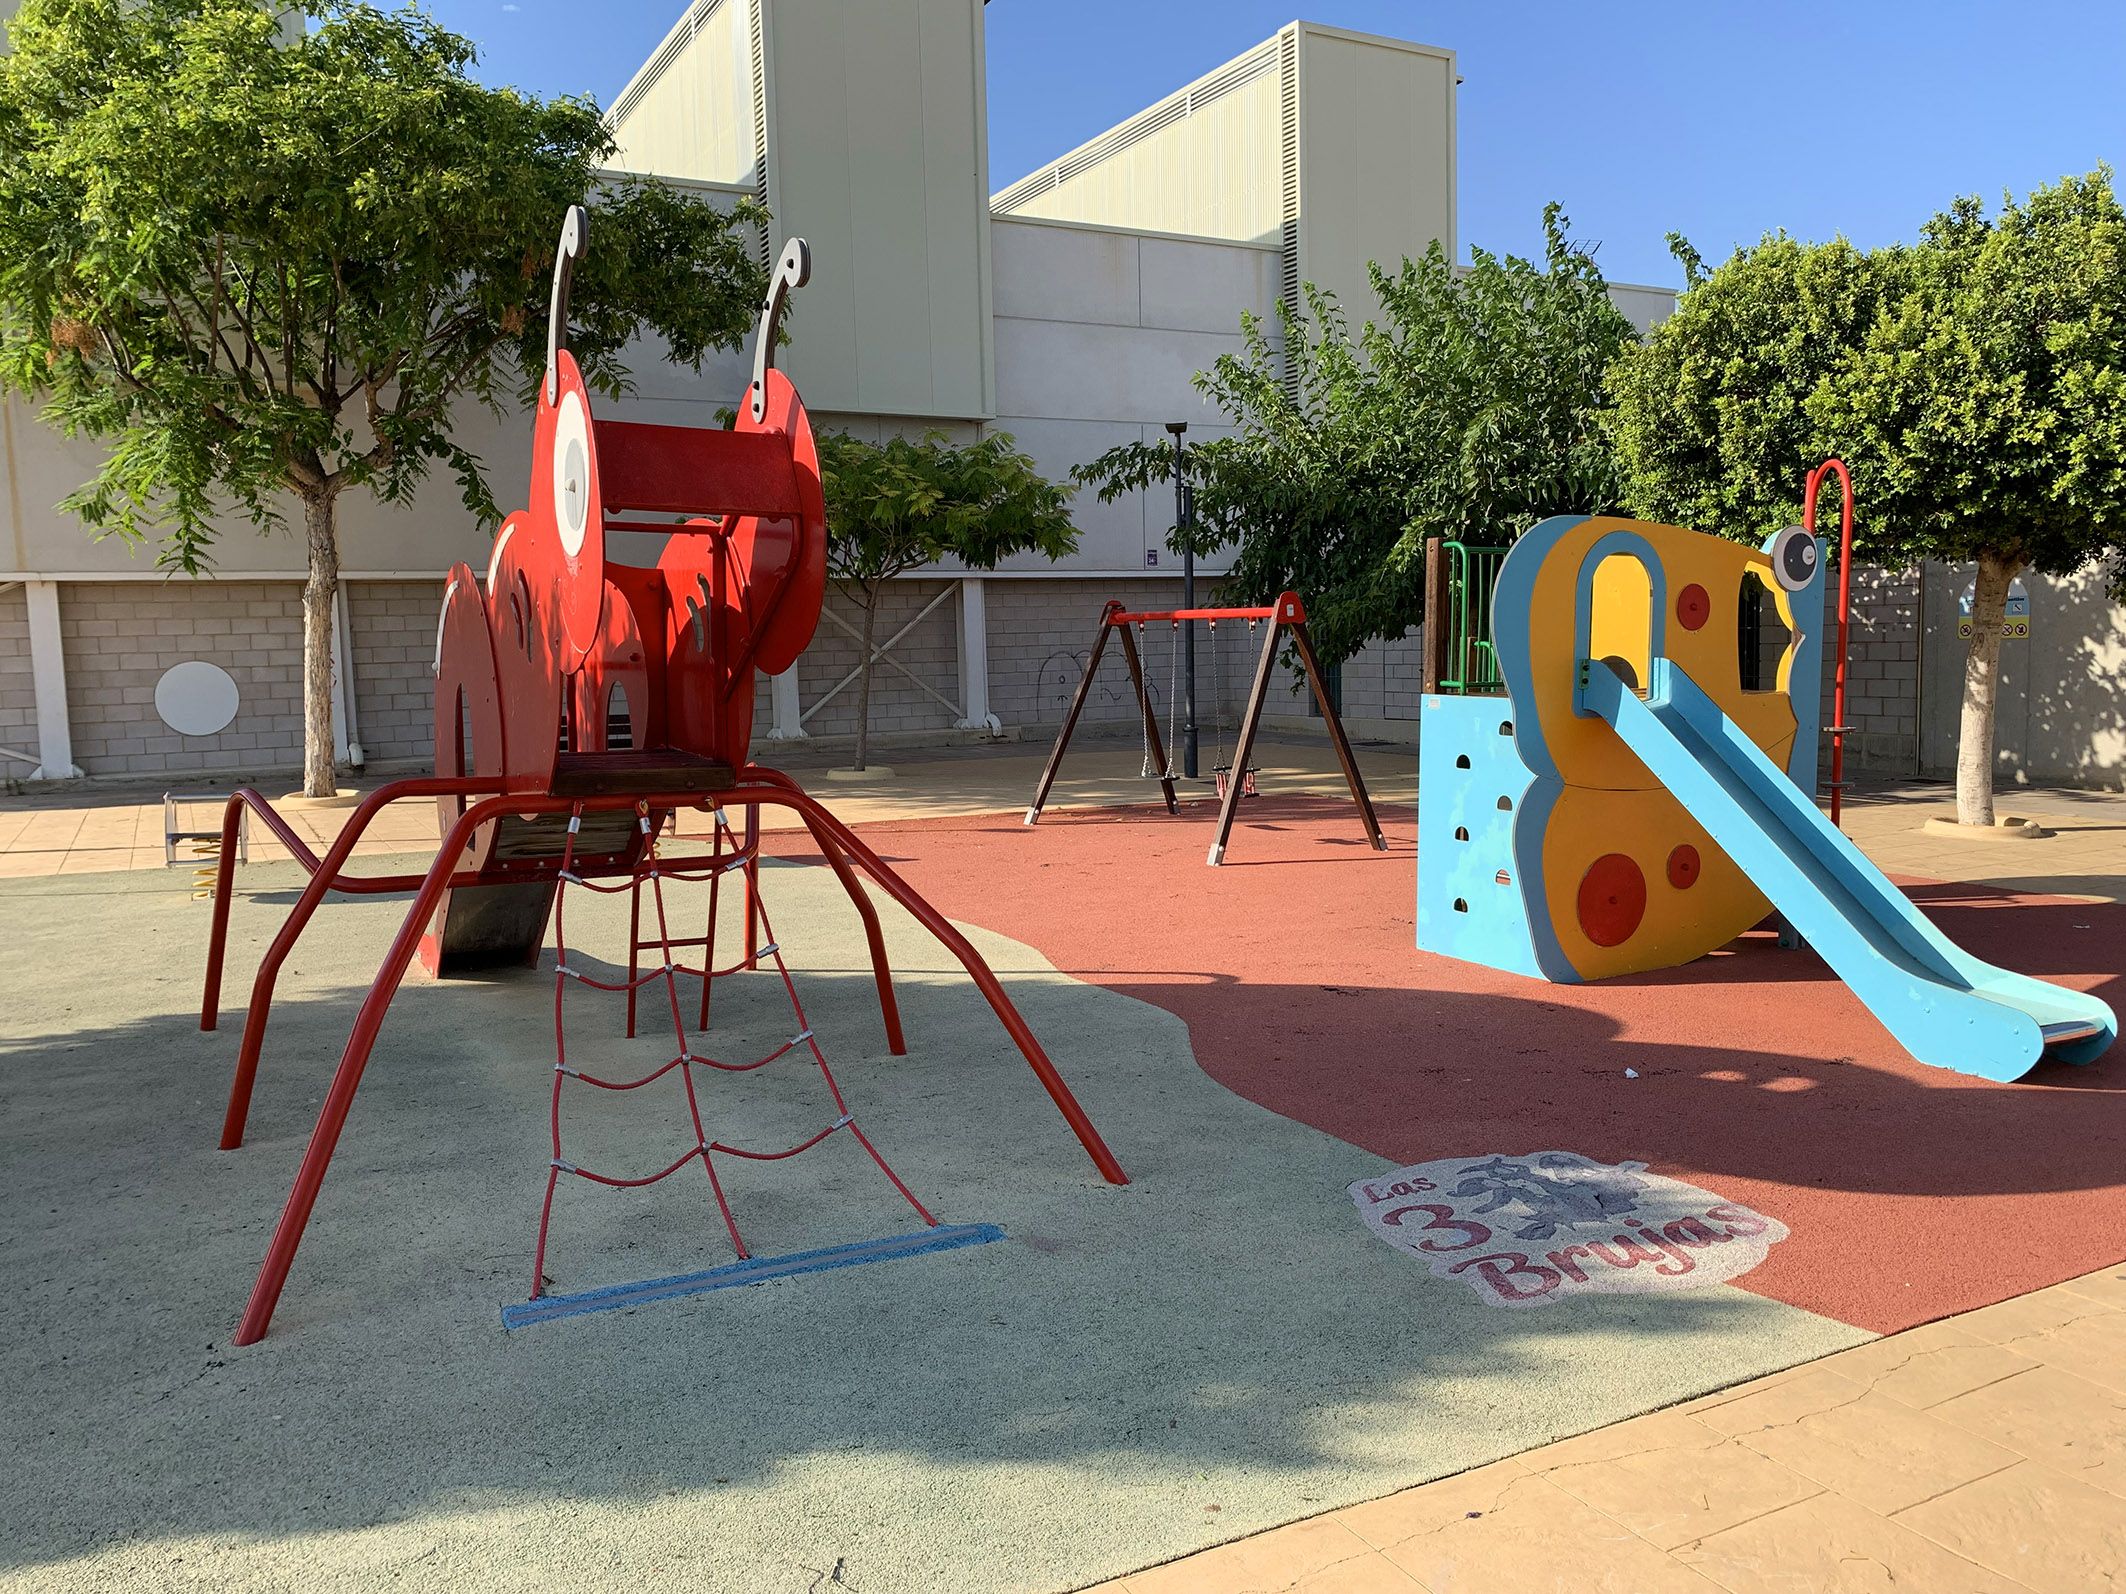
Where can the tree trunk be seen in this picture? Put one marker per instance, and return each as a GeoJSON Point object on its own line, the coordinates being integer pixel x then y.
{"type": "Point", "coordinates": [863, 673]}
{"type": "Point", "coordinates": [1982, 671]}
{"type": "Point", "coordinates": [321, 529]}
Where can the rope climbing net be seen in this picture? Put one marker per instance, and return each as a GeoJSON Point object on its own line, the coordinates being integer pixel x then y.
{"type": "Point", "coordinates": [726, 856]}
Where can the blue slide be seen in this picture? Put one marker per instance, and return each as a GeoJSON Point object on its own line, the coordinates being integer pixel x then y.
{"type": "Point", "coordinates": [1943, 1005]}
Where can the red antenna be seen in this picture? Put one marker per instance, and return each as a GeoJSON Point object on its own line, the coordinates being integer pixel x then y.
{"type": "Point", "coordinates": [1845, 608]}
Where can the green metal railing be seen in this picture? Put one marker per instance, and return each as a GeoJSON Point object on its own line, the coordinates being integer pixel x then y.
{"type": "Point", "coordinates": [1472, 663]}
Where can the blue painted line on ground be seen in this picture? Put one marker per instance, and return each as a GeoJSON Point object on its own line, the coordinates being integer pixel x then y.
{"type": "Point", "coordinates": [754, 1270]}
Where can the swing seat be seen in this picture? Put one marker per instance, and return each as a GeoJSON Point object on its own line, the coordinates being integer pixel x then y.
{"type": "Point", "coordinates": [1247, 780]}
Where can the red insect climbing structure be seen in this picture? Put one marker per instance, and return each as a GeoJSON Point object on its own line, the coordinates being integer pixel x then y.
{"type": "Point", "coordinates": [535, 798]}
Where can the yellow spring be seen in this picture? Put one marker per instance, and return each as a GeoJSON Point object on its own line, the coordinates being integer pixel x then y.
{"type": "Point", "coordinates": [204, 873]}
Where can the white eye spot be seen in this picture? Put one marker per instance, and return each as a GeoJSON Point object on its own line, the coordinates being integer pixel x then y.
{"type": "Point", "coordinates": [572, 473]}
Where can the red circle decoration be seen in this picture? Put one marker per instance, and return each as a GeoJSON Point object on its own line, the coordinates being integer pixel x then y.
{"type": "Point", "coordinates": [1693, 607]}
{"type": "Point", "coordinates": [1612, 900]}
{"type": "Point", "coordinates": [1683, 867]}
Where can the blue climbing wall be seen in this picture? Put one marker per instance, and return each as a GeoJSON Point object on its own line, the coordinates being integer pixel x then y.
{"type": "Point", "coordinates": [1469, 902]}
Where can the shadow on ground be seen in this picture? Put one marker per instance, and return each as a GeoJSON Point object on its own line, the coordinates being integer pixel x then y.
{"type": "Point", "coordinates": [1132, 1374]}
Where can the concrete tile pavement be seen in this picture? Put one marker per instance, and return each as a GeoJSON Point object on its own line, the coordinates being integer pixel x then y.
{"type": "Point", "coordinates": [1985, 1454]}
{"type": "Point", "coordinates": [96, 827]}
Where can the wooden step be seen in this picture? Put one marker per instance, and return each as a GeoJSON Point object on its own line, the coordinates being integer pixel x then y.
{"type": "Point", "coordinates": [644, 772]}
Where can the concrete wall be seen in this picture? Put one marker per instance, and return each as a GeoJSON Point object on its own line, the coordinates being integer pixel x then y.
{"type": "Point", "coordinates": [43, 467]}
{"type": "Point", "coordinates": [1376, 157]}
{"type": "Point", "coordinates": [1336, 147]}
{"type": "Point", "coordinates": [1099, 336]}
{"type": "Point", "coordinates": [391, 638]}
{"type": "Point", "coordinates": [1383, 683]}
{"type": "Point", "coordinates": [931, 651]}
{"type": "Point", "coordinates": [866, 133]}
{"type": "Point", "coordinates": [18, 687]}
{"type": "Point", "coordinates": [2062, 704]}
{"type": "Point", "coordinates": [120, 636]}
{"type": "Point", "coordinates": [1051, 626]}
{"type": "Point", "coordinates": [1208, 159]}
{"type": "Point", "coordinates": [690, 110]}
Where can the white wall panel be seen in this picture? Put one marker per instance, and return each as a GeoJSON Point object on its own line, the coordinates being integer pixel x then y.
{"type": "Point", "coordinates": [1066, 273]}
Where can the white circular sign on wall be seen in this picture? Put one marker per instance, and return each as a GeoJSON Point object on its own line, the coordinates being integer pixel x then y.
{"type": "Point", "coordinates": [195, 698]}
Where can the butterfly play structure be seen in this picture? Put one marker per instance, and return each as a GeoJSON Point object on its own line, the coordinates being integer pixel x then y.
{"type": "Point", "coordinates": [580, 703]}
{"type": "Point", "coordinates": [1642, 794]}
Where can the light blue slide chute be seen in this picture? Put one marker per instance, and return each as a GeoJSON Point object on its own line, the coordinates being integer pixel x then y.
{"type": "Point", "coordinates": [1944, 1006]}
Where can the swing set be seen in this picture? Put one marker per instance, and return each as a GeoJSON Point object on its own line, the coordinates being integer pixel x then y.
{"type": "Point", "coordinates": [1235, 777]}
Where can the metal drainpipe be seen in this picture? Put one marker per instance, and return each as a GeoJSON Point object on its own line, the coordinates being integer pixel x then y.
{"type": "Point", "coordinates": [343, 672]}
{"type": "Point", "coordinates": [1188, 601]}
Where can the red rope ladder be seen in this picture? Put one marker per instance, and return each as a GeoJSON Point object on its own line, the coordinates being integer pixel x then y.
{"type": "Point", "coordinates": [669, 969]}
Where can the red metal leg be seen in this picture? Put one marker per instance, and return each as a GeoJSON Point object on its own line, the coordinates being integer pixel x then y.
{"type": "Point", "coordinates": [634, 948]}
{"type": "Point", "coordinates": [881, 966]}
{"type": "Point", "coordinates": [218, 936]}
{"type": "Point", "coordinates": [317, 1156]}
{"type": "Point", "coordinates": [323, 878]}
{"type": "Point", "coordinates": [752, 880]}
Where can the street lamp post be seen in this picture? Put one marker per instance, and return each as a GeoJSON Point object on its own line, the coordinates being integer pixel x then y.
{"type": "Point", "coordinates": [1188, 601]}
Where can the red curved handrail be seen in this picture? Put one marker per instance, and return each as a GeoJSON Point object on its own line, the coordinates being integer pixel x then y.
{"type": "Point", "coordinates": [1845, 607]}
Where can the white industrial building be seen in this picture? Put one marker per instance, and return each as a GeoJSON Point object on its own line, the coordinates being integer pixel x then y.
{"type": "Point", "coordinates": [1072, 309]}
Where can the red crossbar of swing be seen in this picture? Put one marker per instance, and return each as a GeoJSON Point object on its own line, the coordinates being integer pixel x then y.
{"type": "Point", "coordinates": [703, 1146]}
{"type": "Point", "coordinates": [1178, 615]}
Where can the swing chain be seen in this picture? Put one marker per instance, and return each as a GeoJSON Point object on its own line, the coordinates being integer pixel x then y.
{"type": "Point", "coordinates": [1223, 770]}
{"type": "Point", "coordinates": [1144, 766]}
{"type": "Point", "coordinates": [1173, 695]}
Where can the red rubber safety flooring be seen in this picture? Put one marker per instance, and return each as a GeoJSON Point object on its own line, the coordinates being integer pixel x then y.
{"type": "Point", "coordinates": [1911, 1192]}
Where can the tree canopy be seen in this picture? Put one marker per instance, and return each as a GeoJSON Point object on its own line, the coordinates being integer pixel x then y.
{"type": "Point", "coordinates": [1974, 381]}
{"type": "Point", "coordinates": [1469, 410]}
{"type": "Point", "coordinates": [262, 253]}
{"type": "Point", "coordinates": [897, 506]}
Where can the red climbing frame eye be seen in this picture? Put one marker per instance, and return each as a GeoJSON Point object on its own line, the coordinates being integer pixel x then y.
{"type": "Point", "coordinates": [1683, 867]}
{"type": "Point", "coordinates": [1693, 607]}
{"type": "Point", "coordinates": [1612, 900]}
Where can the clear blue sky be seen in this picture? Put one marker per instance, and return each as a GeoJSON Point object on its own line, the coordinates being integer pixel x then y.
{"type": "Point", "coordinates": [1719, 120]}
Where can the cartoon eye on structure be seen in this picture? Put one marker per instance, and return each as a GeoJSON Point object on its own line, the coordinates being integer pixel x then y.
{"type": "Point", "coordinates": [1794, 558]}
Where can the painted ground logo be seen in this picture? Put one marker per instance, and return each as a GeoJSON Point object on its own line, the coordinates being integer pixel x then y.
{"type": "Point", "coordinates": [1529, 1230]}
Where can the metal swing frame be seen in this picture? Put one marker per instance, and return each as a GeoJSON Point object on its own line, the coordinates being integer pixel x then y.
{"type": "Point", "coordinates": [1288, 621]}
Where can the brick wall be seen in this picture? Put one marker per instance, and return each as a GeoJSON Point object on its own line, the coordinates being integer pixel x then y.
{"type": "Point", "coordinates": [1882, 676]}
{"type": "Point", "coordinates": [120, 636]}
{"type": "Point", "coordinates": [1040, 636]}
{"type": "Point", "coordinates": [18, 691]}
{"type": "Point", "coordinates": [1386, 680]}
{"type": "Point", "coordinates": [392, 644]}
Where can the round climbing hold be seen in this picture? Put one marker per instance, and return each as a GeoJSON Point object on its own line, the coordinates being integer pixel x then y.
{"type": "Point", "coordinates": [1693, 607]}
{"type": "Point", "coordinates": [1683, 867]}
{"type": "Point", "coordinates": [1612, 900]}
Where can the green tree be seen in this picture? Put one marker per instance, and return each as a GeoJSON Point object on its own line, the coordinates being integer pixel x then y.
{"type": "Point", "coordinates": [272, 257]}
{"type": "Point", "coordinates": [1471, 409]}
{"type": "Point", "coordinates": [896, 506]}
{"type": "Point", "coordinates": [1975, 382]}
